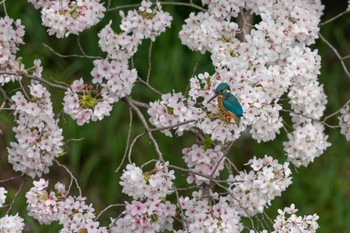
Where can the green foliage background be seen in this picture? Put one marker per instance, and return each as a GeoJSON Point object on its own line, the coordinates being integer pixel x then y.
{"type": "Point", "coordinates": [322, 188]}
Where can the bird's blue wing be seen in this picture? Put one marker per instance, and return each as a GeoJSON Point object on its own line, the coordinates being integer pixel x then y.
{"type": "Point", "coordinates": [231, 103]}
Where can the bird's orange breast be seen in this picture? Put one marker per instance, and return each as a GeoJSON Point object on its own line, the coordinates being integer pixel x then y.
{"type": "Point", "coordinates": [227, 113]}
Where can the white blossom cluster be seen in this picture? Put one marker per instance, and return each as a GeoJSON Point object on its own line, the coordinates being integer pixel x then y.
{"type": "Point", "coordinates": [142, 185]}
{"type": "Point", "coordinates": [118, 46]}
{"type": "Point", "coordinates": [146, 23]}
{"type": "Point", "coordinates": [224, 9]}
{"type": "Point", "coordinates": [152, 215]}
{"type": "Point", "coordinates": [272, 62]}
{"type": "Point", "coordinates": [344, 121]}
{"type": "Point", "coordinates": [38, 136]}
{"type": "Point", "coordinates": [3, 193]}
{"type": "Point", "coordinates": [205, 32]}
{"type": "Point", "coordinates": [11, 224]}
{"type": "Point", "coordinates": [252, 191]}
{"type": "Point", "coordinates": [113, 73]}
{"type": "Point", "coordinates": [115, 77]}
{"type": "Point", "coordinates": [83, 103]}
{"type": "Point", "coordinates": [171, 110]}
{"type": "Point", "coordinates": [148, 212]}
{"type": "Point", "coordinates": [64, 17]}
{"type": "Point", "coordinates": [208, 162]}
{"type": "Point", "coordinates": [210, 213]}
{"type": "Point", "coordinates": [11, 36]}
{"type": "Point", "coordinates": [71, 212]}
{"type": "Point", "coordinates": [288, 221]}
{"type": "Point", "coordinates": [305, 143]}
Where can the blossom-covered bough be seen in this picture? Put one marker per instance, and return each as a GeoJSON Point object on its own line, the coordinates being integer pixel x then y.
{"type": "Point", "coordinates": [269, 66]}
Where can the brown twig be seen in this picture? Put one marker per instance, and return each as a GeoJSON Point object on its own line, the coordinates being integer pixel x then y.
{"type": "Point", "coordinates": [334, 18]}
{"type": "Point", "coordinates": [72, 177]}
{"type": "Point", "coordinates": [34, 78]}
{"type": "Point", "coordinates": [336, 53]}
{"type": "Point", "coordinates": [72, 55]}
{"type": "Point", "coordinates": [145, 125]}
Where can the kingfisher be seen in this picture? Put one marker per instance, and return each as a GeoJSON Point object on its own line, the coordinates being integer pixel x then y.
{"type": "Point", "coordinates": [228, 102]}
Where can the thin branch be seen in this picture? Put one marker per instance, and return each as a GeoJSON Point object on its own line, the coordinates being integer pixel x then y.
{"type": "Point", "coordinates": [127, 142]}
{"type": "Point", "coordinates": [198, 133]}
{"type": "Point", "coordinates": [173, 126]}
{"type": "Point", "coordinates": [268, 218]}
{"type": "Point", "coordinates": [108, 207]}
{"type": "Point", "coordinates": [80, 47]}
{"type": "Point", "coordinates": [198, 174]}
{"type": "Point", "coordinates": [11, 178]}
{"type": "Point", "coordinates": [232, 164]}
{"type": "Point", "coordinates": [72, 177]}
{"type": "Point", "coordinates": [144, 122]}
{"type": "Point", "coordinates": [6, 98]}
{"type": "Point", "coordinates": [320, 121]}
{"type": "Point", "coordinates": [245, 23]}
{"type": "Point", "coordinates": [132, 145]}
{"type": "Point", "coordinates": [123, 7]}
{"type": "Point", "coordinates": [181, 211]}
{"type": "Point", "coordinates": [149, 86]}
{"type": "Point", "coordinates": [334, 18]}
{"type": "Point", "coordinates": [345, 57]}
{"type": "Point", "coordinates": [218, 164]}
{"type": "Point", "coordinates": [148, 162]}
{"type": "Point", "coordinates": [336, 112]}
{"type": "Point", "coordinates": [22, 88]}
{"type": "Point", "coordinates": [185, 4]}
{"type": "Point", "coordinates": [72, 55]}
{"type": "Point", "coordinates": [149, 61]}
{"type": "Point", "coordinates": [15, 197]}
{"type": "Point", "coordinates": [4, 6]}
{"type": "Point", "coordinates": [140, 104]}
{"type": "Point", "coordinates": [34, 78]}
{"type": "Point", "coordinates": [191, 4]}
{"type": "Point", "coordinates": [336, 53]}
{"type": "Point", "coordinates": [74, 140]}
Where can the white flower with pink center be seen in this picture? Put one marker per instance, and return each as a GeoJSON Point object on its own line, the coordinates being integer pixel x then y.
{"type": "Point", "coordinates": [64, 17]}
{"type": "Point", "coordinates": [39, 138]}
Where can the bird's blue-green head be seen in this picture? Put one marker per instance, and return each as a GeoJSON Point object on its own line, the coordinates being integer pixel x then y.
{"type": "Point", "coordinates": [220, 90]}
{"type": "Point", "coordinates": [222, 87]}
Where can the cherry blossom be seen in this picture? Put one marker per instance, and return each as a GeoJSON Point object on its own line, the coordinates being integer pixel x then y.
{"type": "Point", "coordinates": [146, 23]}
{"type": "Point", "coordinates": [344, 121]}
{"type": "Point", "coordinates": [305, 143]}
{"type": "Point", "coordinates": [71, 212]}
{"type": "Point", "coordinates": [64, 17]}
{"type": "Point", "coordinates": [141, 185]}
{"type": "Point", "coordinates": [11, 36]}
{"type": "Point", "coordinates": [83, 103]}
{"type": "Point", "coordinates": [288, 221]}
{"type": "Point", "coordinates": [208, 162]}
{"type": "Point", "coordinates": [11, 223]}
{"type": "Point", "coordinates": [115, 77]}
{"type": "Point", "coordinates": [151, 215]}
{"type": "Point", "coordinates": [39, 138]}
{"type": "Point", "coordinates": [172, 109]}
{"type": "Point", "coordinates": [252, 191]}
{"type": "Point", "coordinates": [3, 193]}
{"type": "Point", "coordinates": [210, 214]}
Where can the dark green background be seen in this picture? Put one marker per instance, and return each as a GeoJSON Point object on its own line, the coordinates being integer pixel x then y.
{"type": "Point", "coordinates": [322, 188]}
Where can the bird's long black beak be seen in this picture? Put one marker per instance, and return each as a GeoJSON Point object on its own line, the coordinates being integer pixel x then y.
{"type": "Point", "coordinates": [213, 97]}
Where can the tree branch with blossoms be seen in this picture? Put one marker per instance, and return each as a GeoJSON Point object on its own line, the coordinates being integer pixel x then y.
{"type": "Point", "coordinates": [261, 51]}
